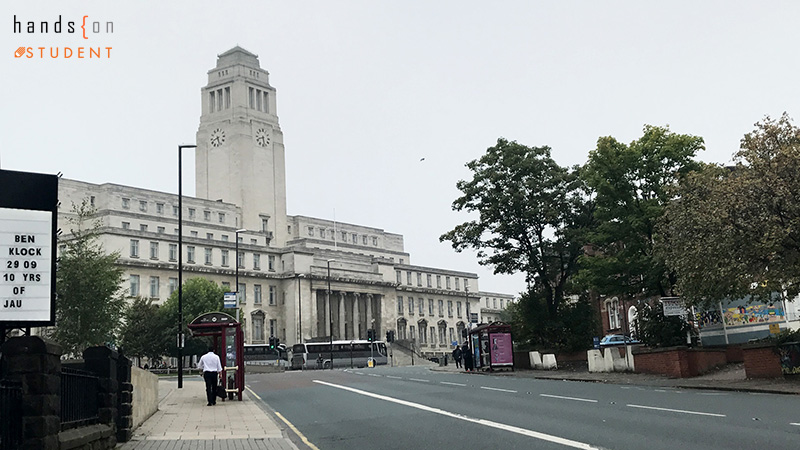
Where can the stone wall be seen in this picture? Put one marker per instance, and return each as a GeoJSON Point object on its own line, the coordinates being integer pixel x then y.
{"type": "Point", "coordinates": [145, 395]}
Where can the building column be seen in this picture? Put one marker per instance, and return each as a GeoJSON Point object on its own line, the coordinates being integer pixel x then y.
{"type": "Point", "coordinates": [327, 315]}
{"type": "Point", "coordinates": [356, 334]}
{"type": "Point", "coordinates": [369, 312]}
{"type": "Point", "coordinates": [342, 320]}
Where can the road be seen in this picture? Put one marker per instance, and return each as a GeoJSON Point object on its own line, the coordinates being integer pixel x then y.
{"type": "Point", "coordinates": [414, 408]}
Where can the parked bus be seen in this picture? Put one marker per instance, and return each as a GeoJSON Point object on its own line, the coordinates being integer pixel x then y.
{"type": "Point", "coordinates": [261, 354]}
{"type": "Point", "coordinates": [317, 355]}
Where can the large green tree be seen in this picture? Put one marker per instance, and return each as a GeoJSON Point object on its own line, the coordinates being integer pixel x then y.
{"type": "Point", "coordinates": [631, 183]}
{"type": "Point", "coordinates": [529, 214]}
{"type": "Point", "coordinates": [143, 330]}
{"type": "Point", "coordinates": [200, 296]}
{"type": "Point", "coordinates": [89, 298]}
{"type": "Point", "coordinates": [735, 231]}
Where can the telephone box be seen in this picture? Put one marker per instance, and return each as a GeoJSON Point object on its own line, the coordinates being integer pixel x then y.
{"type": "Point", "coordinates": [492, 345]}
{"type": "Point", "coordinates": [229, 343]}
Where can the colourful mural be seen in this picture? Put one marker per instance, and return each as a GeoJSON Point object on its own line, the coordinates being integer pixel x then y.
{"type": "Point", "coordinates": [741, 316]}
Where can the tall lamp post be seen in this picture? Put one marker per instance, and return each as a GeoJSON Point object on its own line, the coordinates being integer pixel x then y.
{"type": "Point", "coordinates": [237, 270]}
{"type": "Point", "coordinates": [180, 263]}
{"type": "Point", "coordinates": [330, 310]}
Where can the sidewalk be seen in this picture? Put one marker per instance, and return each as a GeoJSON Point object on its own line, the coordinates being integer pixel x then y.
{"type": "Point", "coordinates": [183, 421]}
{"type": "Point", "coordinates": [729, 378]}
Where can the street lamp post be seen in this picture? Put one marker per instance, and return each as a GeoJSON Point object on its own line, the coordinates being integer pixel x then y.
{"type": "Point", "coordinates": [330, 310]}
{"type": "Point", "coordinates": [180, 263]}
{"type": "Point", "coordinates": [237, 270]}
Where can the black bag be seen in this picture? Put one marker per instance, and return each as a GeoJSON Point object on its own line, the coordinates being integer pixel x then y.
{"type": "Point", "coordinates": [221, 389]}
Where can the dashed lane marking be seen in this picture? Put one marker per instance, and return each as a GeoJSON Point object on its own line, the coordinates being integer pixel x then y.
{"type": "Point", "coordinates": [487, 423]}
{"type": "Point", "coordinates": [498, 389]}
{"type": "Point", "coordinates": [453, 384]}
{"type": "Point", "coordinates": [418, 379]}
{"type": "Point", "coordinates": [394, 377]}
{"type": "Point", "coordinates": [588, 400]}
{"type": "Point", "coordinates": [698, 413]}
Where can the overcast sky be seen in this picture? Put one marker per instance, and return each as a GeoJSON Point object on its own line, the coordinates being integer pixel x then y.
{"type": "Point", "coordinates": [365, 89]}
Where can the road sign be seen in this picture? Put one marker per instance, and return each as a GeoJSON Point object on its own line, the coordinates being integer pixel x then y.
{"type": "Point", "coordinates": [673, 306]}
{"type": "Point", "coordinates": [774, 328]}
{"type": "Point", "coordinates": [230, 300]}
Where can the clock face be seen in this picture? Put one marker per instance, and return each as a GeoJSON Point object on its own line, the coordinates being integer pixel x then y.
{"type": "Point", "coordinates": [217, 137]}
{"type": "Point", "coordinates": [263, 137]}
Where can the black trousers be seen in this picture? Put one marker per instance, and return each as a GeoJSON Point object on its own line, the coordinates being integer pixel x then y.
{"type": "Point", "coordinates": [211, 386]}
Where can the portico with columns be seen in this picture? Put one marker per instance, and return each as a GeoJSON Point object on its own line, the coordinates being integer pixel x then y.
{"type": "Point", "coordinates": [351, 312]}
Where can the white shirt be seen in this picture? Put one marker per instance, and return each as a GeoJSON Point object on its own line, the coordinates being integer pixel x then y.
{"type": "Point", "coordinates": [209, 363]}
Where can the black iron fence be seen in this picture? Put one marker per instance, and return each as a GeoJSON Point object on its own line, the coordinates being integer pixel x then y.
{"type": "Point", "coordinates": [79, 398]}
{"type": "Point", "coordinates": [10, 415]}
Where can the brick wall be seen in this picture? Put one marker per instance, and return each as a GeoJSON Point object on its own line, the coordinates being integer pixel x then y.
{"type": "Point", "coordinates": [761, 361]}
{"type": "Point", "coordinates": [678, 362]}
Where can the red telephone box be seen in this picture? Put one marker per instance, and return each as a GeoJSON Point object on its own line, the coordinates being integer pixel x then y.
{"type": "Point", "coordinates": [229, 343]}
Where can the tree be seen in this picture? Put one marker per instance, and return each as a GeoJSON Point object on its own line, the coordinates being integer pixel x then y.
{"type": "Point", "coordinates": [735, 231]}
{"type": "Point", "coordinates": [632, 183]}
{"type": "Point", "coordinates": [200, 296]}
{"type": "Point", "coordinates": [570, 330]}
{"type": "Point", "coordinates": [143, 330]}
{"type": "Point", "coordinates": [89, 300]}
{"type": "Point", "coordinates": [658, 330]}
{"type": "Point", "coordinates": [531, 213]}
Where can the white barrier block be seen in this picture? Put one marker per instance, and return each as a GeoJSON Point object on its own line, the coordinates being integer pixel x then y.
{"type": "Point", "coordinates": [596, 362]}
{"type": "Point", "coordinates": [549, 361]}
{"type": "Point", "coordinates": [629, 352]}
{"type": "Point", "coordinates": [536, 360]}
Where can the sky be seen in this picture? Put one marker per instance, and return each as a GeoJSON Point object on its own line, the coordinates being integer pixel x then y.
{"type": "Point", "coordinates": [367, 89]}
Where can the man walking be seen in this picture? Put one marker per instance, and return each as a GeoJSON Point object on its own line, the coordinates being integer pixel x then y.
{"type": "Point", "coordinates": [457, 356]}
{"type": "Point", "coordinates": [211, 367]}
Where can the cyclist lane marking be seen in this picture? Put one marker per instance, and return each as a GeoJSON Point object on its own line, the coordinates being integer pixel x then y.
{"type": "Point", "coordinates": [484, 422]}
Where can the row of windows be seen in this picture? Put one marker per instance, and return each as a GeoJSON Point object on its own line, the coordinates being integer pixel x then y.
{"type": "Point", "coordinates": [143, 206]}
{"type": "Point", "coordinates": [208, 255]}
{"type": "Point", "coordinates": [433, 306]}
{"type": "Point", "coordinates": [422, 337]}
{"type": "Point", "coordinates": [155, 285]}
{"type": "Point", "coordinates": [429, 280]}
{"type": "Point", "coordinates": [492, 303]}
{"type": "Point", "coordinates": [192, 233]}
{"type": "Point", "coordinates": [259, 100]}
{"type": "Point", "coordinates": [219, 99]}
{"type": "Point", "coordinates": [331, 234]}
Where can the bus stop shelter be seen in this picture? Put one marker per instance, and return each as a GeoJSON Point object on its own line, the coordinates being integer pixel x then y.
{"type": "Point", "coordinates": [229, 343]}
{"type": "Point", "coordinates": [492, 346]}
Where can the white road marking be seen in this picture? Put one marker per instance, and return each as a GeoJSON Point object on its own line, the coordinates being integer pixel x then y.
{"type": "Point", "coordinates": [488, 423]}
{"type": "Point", "coordinates": [624, 387]}
{"type": "Point", "coordinates": [498, 389]}
{"type": "Point", "coordinates": [359, 373]}
{"type": "Point", "coordinates": [569, 398]}
{"type": "Point", "coordinates": [452, 384]}
{"type": "Point", "coordinates": [394, 377]}
{"type": "Point", "coordinates": [659, 390]}
{"type": "Point", "coordinates": [678, 411]}
{"type": "Point", "coordinates": [373, 374]}
{"type": "Point", "coordinates": [797, 424]}
{"type": "Point", "coordinates": [417, 379]}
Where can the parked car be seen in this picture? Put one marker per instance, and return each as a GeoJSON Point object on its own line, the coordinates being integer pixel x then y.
{"type": "Point", "coordinates": [617, 339]}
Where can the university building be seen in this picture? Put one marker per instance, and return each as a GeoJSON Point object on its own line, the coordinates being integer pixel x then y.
{"type": "Point", "coordinates": [284, 262]}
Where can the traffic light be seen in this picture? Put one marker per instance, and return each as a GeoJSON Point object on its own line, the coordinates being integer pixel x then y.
{"type": "Point", "coordinates": [370, 335]}
{"type": "Point", "coordinates": [272, 342]}
{"type": "Point", "coordinates": [390, 336]}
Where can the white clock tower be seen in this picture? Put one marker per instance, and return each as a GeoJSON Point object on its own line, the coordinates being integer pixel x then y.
{"type": "Point", "coordinates": [240, 153]}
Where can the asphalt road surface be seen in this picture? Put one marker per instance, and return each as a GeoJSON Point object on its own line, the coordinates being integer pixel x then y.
{"type": "Point", "coordinates": [414, 408]}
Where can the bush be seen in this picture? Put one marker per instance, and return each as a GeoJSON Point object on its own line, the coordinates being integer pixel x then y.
{"type": "Point", "coordinates": [658, 330]}
{"type": "Point", "coordinates": [572, 329]}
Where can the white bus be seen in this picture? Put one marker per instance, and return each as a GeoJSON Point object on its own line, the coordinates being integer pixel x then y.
{"type": "Point", "coordinates": [323, 355]}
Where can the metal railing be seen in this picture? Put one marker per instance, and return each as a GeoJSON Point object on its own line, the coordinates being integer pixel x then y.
{"type": "Point", "coordinates": [10, 415]}
{"type": "Point", "coordinates": [79, 402]}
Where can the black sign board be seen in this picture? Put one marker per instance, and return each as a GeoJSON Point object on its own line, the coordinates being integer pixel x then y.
{"type": "Point", "coordinates": [28, 213]}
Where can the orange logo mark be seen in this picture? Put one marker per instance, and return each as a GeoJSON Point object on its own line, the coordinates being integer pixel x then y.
{"type": "Point", "coordinates": [83, 27]}
{"type": "Point", "coordinates": [20, 51]}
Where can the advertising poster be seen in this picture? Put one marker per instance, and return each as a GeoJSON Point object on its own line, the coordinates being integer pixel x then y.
{"type": "Point", "coordinates": [502, 352]}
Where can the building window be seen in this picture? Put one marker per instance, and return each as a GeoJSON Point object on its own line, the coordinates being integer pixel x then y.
{"type": "Point", "coordinates": [430, 307]}
{"type": "Point", "coordinates": [441, 308]}
{"type": "Point", "coordinates": [142, 206]}
{"type": "Point", "coordinates": [272, 295]}
{"type": "Point", "coordinates": [447, 282]}
{"type": "Point", "coordinates": [501, 303]}
{"type": "Point", "coordinates": [421, 305]}
{"type": "Point", "coordinates": [273, 324]}
{"type": "Point", "coordinates": [256, 261]}
{"type": "Point", "coordinates": [613, 313]}
{"type": "Point", "coordinates": [126, 225]}
{"type": "Point", "coordinates": [160, 208]}
{"type": "Point", "coordinates": [175, 211]}
{"type": "Point", "coordinates": [207, 216]}
{"type": "Point", "coordinates": [264, 225]}
{"type": "Point", "coordinates": [153, 287]}
{"type": "Point", "coordinates": [190, 254]}
{"type": "Point", "coordinates": [433, 335]}
{"type": "Point", "coordinates": [452, 334]}
{"type": "Point", "coordinates": [271, 263]}
{"type": "Point", "coordinates": [242, 293]}
{"type": "Point", "coordinates": [126, 203]}
{"type": "Point", "coordinates": [240, 260]}
{"type": "Point", "coordinates": [191, 213]}
{"type": "Point", "coordinates": [222, 217]}
{"type": "Point", "coordinates": [355, 238]}
{"type": "Point", "coordinates": [423, 332]}
{"type": "Point", "coordinates": [449, 308]}
{"type": "Point", "coordinates": [419, 279]}
{"type": "Point", "coordinates": [134, 248]}
{"type": "Point", "coordinates": [258, 327]}
{"type": "Point", "coordinates": [153, 250]}
{"type": "Point", "coordinates": [399, 277]}
{"type": "Point", "coordinates": [411, 331]}
{"type": "Point", "coordinates": [487, 302]}
{"type": "Point", "coordinates": [364, 239]}
{"type": "Point", "coordinates": [173, 285]}
{"type": "Point", "coordinates": [458, 309]}
{"type": "Point", "coordinates": [134, 285]}
{"type": "Point", "coordinates": [458, 285]}
{"type": "Point", "coordinates": [375, 241]}
{"type": "Point", "coordinates": [208, 258]}
{"type": "Point", "coordinates": [253, 241]}
{"type": "Point", "coordinates": [494, 303]}
{"type": "Point", "coordinates": [173, 252]}
{"type": "Point", "coordinates": [408, 278]}
{"type": "Point", "coordinates": [322, 233]}
{"type": "Point", "coordinates": [438, 281]}
{"type": "Point", "coordinates": [410, 306]}
{"type": "Point", "coordinates": [430, 280]}
{"type": "Point", "coordinates": [257, 294]}
{"type": "Point", "coordinates": [224, 258]}
{"type": "Point", "coordinates": [224, 238]}
{"type": "Point", "coordinates": [142, 227]}
{"type": "Point", "coordinates": [400, 309]}
{"type": "Point", "coordinates": [161, 230]}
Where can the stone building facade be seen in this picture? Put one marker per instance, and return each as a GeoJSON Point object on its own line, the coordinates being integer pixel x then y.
{"type": "Point", "coordinates": [286, 263]}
